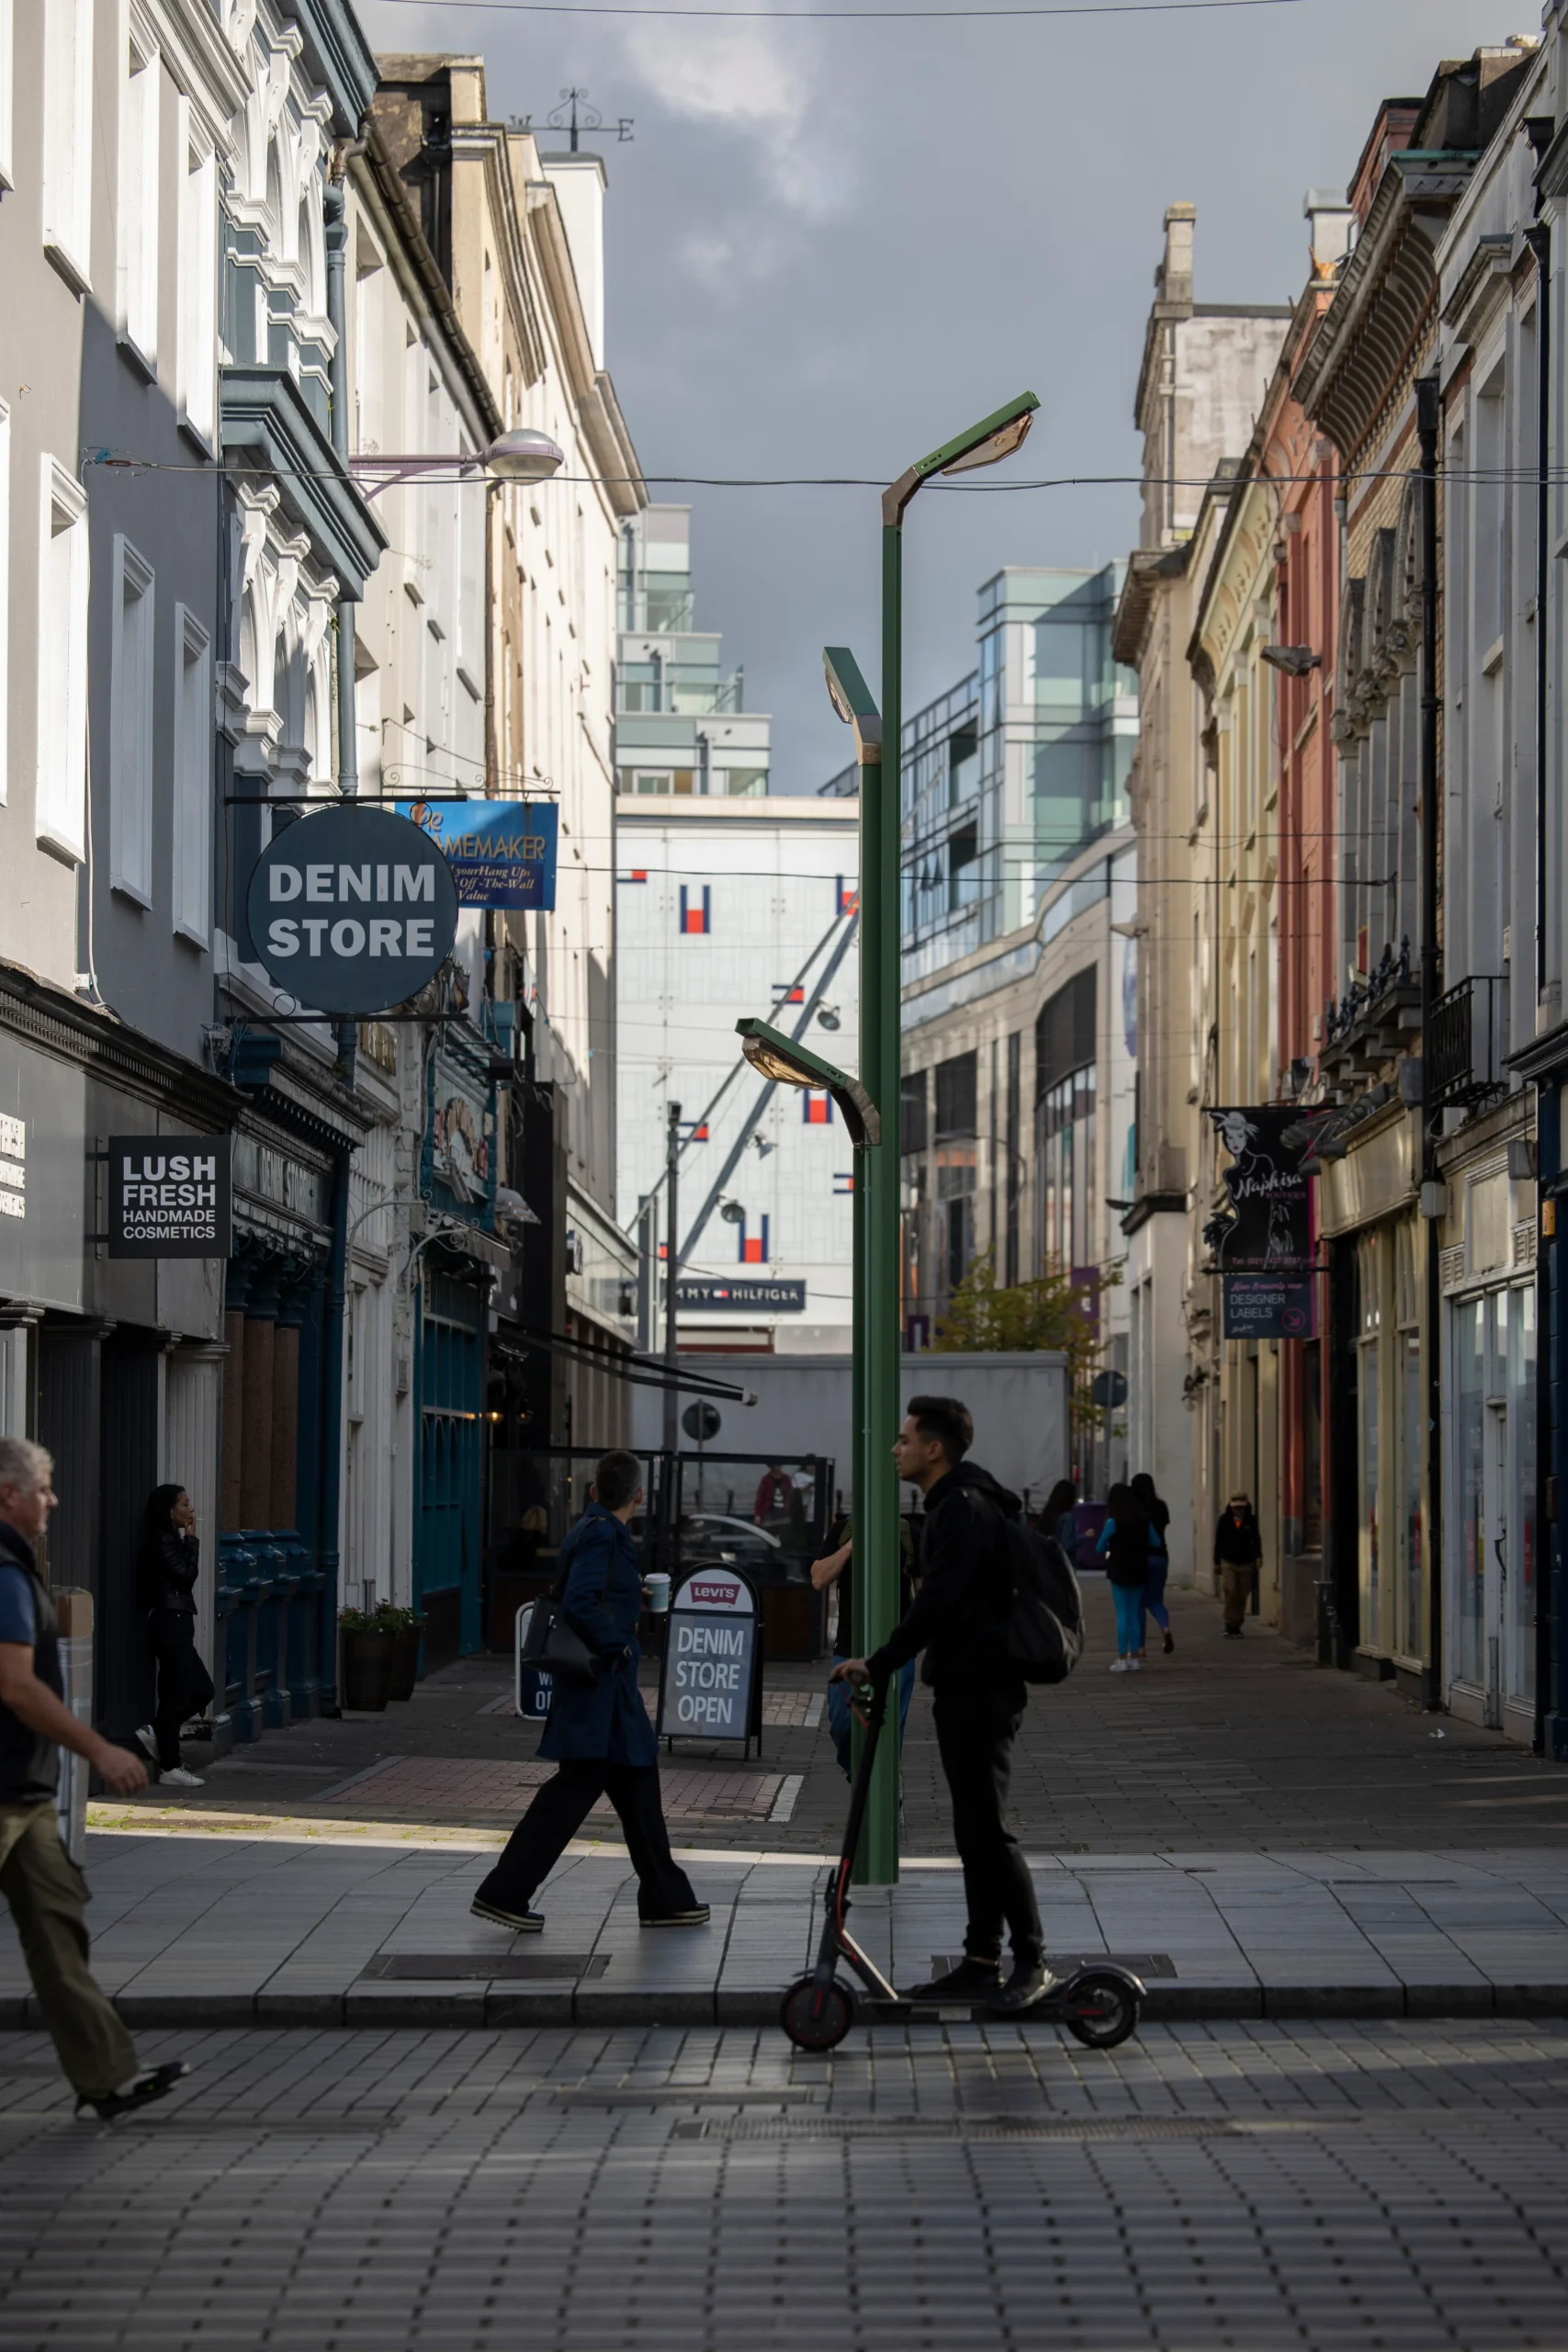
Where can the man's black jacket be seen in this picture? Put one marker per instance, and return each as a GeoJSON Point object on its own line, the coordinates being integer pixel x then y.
{"type": "Point", "coordinates": [959, 1615]}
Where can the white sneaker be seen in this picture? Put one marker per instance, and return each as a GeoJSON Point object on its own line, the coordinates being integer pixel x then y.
{"type": "Point", "coordinates": [1134, 1665]}
{"type": "Point", "coordinates": [180, 1779]}
{"type": "Point", "coordinates": [1118, 1666]}
{"type": "Point", "coordinates": [147, 1741]}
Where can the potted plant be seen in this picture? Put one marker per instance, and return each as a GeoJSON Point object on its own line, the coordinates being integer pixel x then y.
{"type": "Point", "coordinates": [368, 1653]}
{"type": "Point", "coordinates": [406, 1626]}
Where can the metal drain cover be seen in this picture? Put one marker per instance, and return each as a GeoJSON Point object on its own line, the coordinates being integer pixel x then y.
{"type": "Point", "coordinates": [535, 1967]}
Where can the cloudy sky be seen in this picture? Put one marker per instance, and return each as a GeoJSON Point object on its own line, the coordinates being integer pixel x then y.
{"type": "Point", "coordinates": [833, 244]}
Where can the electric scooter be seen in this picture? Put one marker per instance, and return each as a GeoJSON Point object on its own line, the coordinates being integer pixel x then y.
{"type": "Point", "coordinates": [1100, 2003]}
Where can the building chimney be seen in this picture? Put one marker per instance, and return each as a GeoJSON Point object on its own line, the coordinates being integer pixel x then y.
{"type": "Point", "coordinates": [1332, 225]}
{"type": "Point", "coordinates": [1173, 279]}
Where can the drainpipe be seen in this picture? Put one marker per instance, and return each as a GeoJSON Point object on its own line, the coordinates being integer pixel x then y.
{"type": "Point", "coordinates": [1539, 238]}
{"type": "Point", "coordinates": [1428, 417]}
{"type": "Point", "coordinates": [329, 1499]}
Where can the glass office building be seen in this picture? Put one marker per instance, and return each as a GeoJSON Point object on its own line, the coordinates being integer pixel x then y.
{"type": "Point", "coordinates": [1021, 767]}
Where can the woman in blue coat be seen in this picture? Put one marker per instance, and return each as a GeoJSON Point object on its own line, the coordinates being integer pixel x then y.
{"type": "Point", "coordinates": [597, 1732]}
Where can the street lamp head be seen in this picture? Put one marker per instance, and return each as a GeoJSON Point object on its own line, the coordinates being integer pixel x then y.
{"type": "Point", "coordinates": [851, 697]}
{"type": "Point", "coordinates": [523, 454]}
{"type": "Point", "coordinates": [789, 1063]}
{"type": "Point", "coordinates": [994, 446]}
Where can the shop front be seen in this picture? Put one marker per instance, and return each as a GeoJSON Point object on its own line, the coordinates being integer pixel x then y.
{"type": "Point", "coordinates": [458, 1262]}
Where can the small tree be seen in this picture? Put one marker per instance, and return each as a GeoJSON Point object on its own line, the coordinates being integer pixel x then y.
{"type": "Point", "coordinates": [1055, 1311]}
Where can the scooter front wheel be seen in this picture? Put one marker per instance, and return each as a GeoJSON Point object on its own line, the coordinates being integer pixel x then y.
{"type": "Point", "coordinates": [817, 2017]}
{"type": "Point", "coordinates": [1100, 2010]}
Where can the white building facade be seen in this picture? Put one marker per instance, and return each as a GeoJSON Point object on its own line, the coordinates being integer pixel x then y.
{"type": "Point", "coordinates": [727, 907]}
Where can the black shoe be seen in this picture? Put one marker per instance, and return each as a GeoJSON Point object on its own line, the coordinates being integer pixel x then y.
{"type": "Point", "coordinates": [522, 1923]}
{"type": "Point", "coordinates": [697, 1916]}
{"type": "Point", "coordinates": [1233, 1633]}
{"type": "Point", "coordinates": [1030, 1982]}
{"type": "Point", "coordinates": [1169, 1641]}
{"type": "Point", "coordinates": [156, 2084]}
{"type": "Point", "coordinates": [972, 1980]}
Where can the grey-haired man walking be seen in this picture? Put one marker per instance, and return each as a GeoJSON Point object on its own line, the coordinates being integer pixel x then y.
{"type": "Point", "coordinates": [45, 1890]}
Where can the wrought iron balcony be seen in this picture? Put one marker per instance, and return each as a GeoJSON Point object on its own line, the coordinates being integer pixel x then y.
{"type": "Point", "coordinates": [1463, 1054]}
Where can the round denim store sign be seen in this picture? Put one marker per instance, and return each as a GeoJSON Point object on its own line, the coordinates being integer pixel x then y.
{"type": "Point", "coordinates": [352, 910]}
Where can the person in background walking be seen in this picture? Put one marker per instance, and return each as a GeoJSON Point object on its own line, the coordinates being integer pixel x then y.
{"type": "Point", "coordinates": [45, 1890]}
{"type": "Point", "coordinates": [598, 1733]}
{"type": "Point", "coordinates": [1239, 1549]}
{"type": "Point", "coordinates": [1158, 1514]}
{"type": "Point", "coordinates": [836, 1566]}
{"type": "Point", "coordinates": [772, 1494]}
{"type": "Point", "coordinates": [1123, 1542]}
{"type": "Point", "coordinates": [959, 1619]}
{"type": "Point", "coordinates": [166, 1594]}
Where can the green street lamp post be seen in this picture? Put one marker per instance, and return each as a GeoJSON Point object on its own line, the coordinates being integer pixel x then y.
{"type": "Point", "coordinates": [878, 1306]}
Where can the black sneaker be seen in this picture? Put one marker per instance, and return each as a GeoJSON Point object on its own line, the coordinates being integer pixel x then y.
{"type": "Point", "coordinates": [1169, 1642]}
{"type": "Point", "coordinates": [697, 1916]}
{"type": "Point", "coordinates": [1030, 1982]}
{"type": "Point", "coordinates": [157, 2082]}
{"type": "Point", "coordinates": [972, 1980]}
{"type": "Point", "coordinates": [522, 1923]}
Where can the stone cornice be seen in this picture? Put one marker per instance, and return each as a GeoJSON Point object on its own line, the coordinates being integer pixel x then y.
{"type": "Point", "coordinates": [1385, 293]}
{"type": "Point", "coordinates": [62, 1026]}
{"type": "Point", "coordinates": [1149, 571]}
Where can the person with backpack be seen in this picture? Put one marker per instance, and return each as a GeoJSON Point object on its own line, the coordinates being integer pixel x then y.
{"type": "Point", "coordinates": [960, 1618]}
{"type": "Point", "coordinates": [1123, 1542]}
{"type": "Point", "coordinates": [1158, 1514]}
{"type": "Point", "coordinates": [597, 1732]}
{"type": "Point", "coordinates": [1238, 1552]}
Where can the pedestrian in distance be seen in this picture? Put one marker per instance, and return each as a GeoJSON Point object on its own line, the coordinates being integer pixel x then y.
{"type": "Point", "coordinates": [773, 1491]}
{"type": "Point", "coordinates": [1059, 1517]}
{"type": "Point", "coordinates": [1238, 1550]}
{"type": "Point", "coordinates": [836, 1566]}
{"type": "Point", "coordinates": [1123, 1544]}
{"type": "Point", "coordinates": [958, 1618]}
{"type": "Point", "coordinates": [166, 1568]}
{"type": "Point", "coordinates": [597, 1732]}
{"type": "Point", "coordinates": [1158, 1514]}
{"type": "Point", "coordinates": [46, 1892]}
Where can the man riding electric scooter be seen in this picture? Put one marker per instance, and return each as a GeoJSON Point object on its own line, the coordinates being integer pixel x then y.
{"type": "Point", "coordinates": [958, 1618]}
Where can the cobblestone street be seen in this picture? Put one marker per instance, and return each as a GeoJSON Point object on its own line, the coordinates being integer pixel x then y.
{"type": "Point", "coordinates": [1254, 2187]}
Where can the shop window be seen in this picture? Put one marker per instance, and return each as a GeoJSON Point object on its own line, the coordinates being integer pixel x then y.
{"type": "Point", "coordinates": [957, 1095]}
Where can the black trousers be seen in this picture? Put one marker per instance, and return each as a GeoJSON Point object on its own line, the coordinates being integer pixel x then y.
{"type": "Point", "coordinates": [558, 1811]}
{"type": "Point", "coordinates": [976, 1727]}
{"type": "Point", "coordinates": [184, 1684]}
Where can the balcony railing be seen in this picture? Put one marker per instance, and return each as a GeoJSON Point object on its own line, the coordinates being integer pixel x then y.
{"type": "Point", "coordinates": [1463, 1051]}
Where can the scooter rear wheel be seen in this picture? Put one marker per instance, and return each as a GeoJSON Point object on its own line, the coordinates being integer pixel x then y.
{"type": "Point", "coordinates": [817, 2017]}
{"type": "Point", "coordinates": [1099, 2010]}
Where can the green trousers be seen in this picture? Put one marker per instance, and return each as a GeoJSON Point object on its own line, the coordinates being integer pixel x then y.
{"type": "Point", "coordinates": [47, 1894]}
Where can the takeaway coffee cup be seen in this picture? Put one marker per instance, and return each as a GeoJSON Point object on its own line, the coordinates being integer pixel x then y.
{"type": "Point", "coordinates": [657, 1588]}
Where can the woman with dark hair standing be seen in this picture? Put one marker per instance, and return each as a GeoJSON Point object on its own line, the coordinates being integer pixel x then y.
{"type": "Point", "coordinates": [1157, 1513]}
{"type": "Point", "coordinates": [166, 1568]}
{"type": "Point", "coordinates": [1058, 1520]}
{"type": "Point", "coordinates": [1124, 1541]}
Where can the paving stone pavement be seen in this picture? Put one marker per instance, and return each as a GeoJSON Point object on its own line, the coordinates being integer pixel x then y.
{"type": "Point", "coordinates": [1337, 2186]}
{"type": "Point", "coordinates": [1227, 1746]}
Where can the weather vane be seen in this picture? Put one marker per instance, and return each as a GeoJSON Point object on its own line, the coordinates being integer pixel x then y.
{"type": "Point", "coordinates": [574, 116]}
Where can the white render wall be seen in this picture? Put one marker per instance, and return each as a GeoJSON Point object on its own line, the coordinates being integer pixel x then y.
{"type": "Point", "coordinates": [1019, 1402]}
{"type": "Point", "coordinates": [772, 868]}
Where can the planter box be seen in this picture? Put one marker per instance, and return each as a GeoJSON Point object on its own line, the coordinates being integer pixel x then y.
{"type": "Point", "coordinates": [368, 1661]}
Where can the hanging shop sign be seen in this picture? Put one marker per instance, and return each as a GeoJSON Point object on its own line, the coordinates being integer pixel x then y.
{"type": "Point", "coordinates": [352, 910]}
{"type": "Point", "coordinates": [502, 852]}
{"type": "Point", "coordinates": [458, 1141]}
{"type": "Point", "coordinates": [1263, 1239]}
{"type": "Point", "coordinates": [170, 1196]}
{"type": "Point", "coordinates": [741, 1298]}
{"type": "Point", "coordinates": [711, 1687]}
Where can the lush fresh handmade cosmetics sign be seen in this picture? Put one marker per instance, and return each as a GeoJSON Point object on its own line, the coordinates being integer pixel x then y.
{"type": "Point", "coordinates": [169, 1196]}
{"type": "Point", "coordinates": [502, 852]}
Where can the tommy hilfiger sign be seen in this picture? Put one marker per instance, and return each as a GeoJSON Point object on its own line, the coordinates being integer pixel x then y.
{"type": "Point", "coordinates": [169, 1196]}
